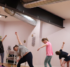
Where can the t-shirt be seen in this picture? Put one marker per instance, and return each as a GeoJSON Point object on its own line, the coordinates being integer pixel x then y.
{"type": "Point", "coordinates": [63, 54]}
{"type": "Point", "coordinates": [22, 50]}
{"type": "Point", "coordinates": [1, 47]}
{"type": "Point", "coordinates": [49, 51]}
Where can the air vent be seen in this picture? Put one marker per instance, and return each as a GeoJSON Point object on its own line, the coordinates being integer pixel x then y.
{"type": "Point", "coordinates": [26, 18]}
{"type": "Point", "coordinates": [40, 2]}
{"type": "Point", "coordinates": [20, 16]}
{"type": "Point", "coordinates": [10, 12]}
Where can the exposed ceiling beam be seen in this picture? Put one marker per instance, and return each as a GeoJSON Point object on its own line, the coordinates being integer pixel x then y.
{"type": "Point", "coordinates": [41, 14]}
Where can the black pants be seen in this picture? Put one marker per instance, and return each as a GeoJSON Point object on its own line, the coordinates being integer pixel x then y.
{"type": "Point", "coordinates": [27, 58]}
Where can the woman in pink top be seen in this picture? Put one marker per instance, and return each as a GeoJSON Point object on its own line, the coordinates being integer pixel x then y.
{"type": "Point", "coordinates": [49, 51]}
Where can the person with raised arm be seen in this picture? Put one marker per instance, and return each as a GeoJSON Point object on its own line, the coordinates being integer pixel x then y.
{"type": "Point", "coordinates": [2, 49]}
{"type": "Point", "coordinates": [49, 51]}
{"type": "Point", "coordinates": [23, 53]}
{"type": "Point", "coordinates": [63, 54]}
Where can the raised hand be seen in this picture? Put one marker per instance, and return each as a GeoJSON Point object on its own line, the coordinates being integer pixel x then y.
{"type": "Point", "coordinates": [16, 33]}
{"type": "Point", "coordinates": [4, 37]}
{"type": "Point", "coordinates": [63, 42]}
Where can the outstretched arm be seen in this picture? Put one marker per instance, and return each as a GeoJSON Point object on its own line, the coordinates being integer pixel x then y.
{"type": "Point", "coordinates": [18, 38]}
{"type": "Point", "coordinates": [4, 38]}
{"type": "Point", "coordinates": [42, 47]}
{"type": "Point", "coordinates": [62, 45]}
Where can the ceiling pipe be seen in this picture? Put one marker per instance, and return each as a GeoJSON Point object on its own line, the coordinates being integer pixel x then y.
{"type": "Point", "coordinates": [10, 12]}
{"type": "Point", "coordinates": [20, 16]}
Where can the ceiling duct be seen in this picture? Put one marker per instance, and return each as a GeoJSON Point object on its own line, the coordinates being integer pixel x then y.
{"type": "Point", "coordinates": [37, 3]}
{"type": "Point", "coordinates": [10, 12]}
{"type": "Point", "coordinates": [20, 16]}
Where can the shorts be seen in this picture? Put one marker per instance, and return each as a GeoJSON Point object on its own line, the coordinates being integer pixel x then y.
{"type": "Point", "coordinates": [67, 59]}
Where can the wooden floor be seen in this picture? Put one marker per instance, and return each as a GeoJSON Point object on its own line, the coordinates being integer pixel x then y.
{"type": "Point", "coordinates": [10, 65]}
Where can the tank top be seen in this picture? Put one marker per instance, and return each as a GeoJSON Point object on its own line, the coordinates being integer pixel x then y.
{"type": "Point", "coordinates": [1, 47]}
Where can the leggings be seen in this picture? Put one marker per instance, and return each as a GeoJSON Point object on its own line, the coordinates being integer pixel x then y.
{"type": "Point", "coordinates": [27, 58]}
{"type": "Point", "coordinates": [48, 60]}
{"type": "Point", "coordinates": [2, 57]}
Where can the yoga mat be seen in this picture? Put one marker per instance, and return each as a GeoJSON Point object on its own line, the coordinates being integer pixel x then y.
{"type": "Point", "coordinates": [1, 66]}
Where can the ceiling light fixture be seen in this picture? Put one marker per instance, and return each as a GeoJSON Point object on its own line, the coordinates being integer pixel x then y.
{"type": "Point", "coordinates": [3, 15]}
{"type": "Point", "coordinates": [0, 16]}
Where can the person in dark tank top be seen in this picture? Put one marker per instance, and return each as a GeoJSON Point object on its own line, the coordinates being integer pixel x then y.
{"type": "Point", "coordinates": [63, 54]}
{"type": "Point", "coordinates": [2, 49]}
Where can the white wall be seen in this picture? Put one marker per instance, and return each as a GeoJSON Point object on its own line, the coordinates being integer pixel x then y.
{"type": "Point", "coordinates": [56, 36]}
{"type": "Point", "coordinates": [36, 33]}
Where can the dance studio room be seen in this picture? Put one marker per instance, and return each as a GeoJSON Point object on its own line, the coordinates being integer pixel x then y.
{"type": "Point", "coordinates": [34, 33]}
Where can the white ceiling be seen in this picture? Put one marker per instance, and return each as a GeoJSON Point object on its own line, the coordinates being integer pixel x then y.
{"type": "Point", "coordinates": [61, 9]}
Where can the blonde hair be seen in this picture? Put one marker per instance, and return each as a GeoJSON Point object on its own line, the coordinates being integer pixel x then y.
{"type": "Point", "coordinates": [0, 36]}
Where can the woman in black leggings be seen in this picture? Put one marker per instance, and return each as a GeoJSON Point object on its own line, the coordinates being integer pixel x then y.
{"type": "Point", "coordinates": [23, 53]}
{"type": "Point", "coordinates": [2, 49]}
